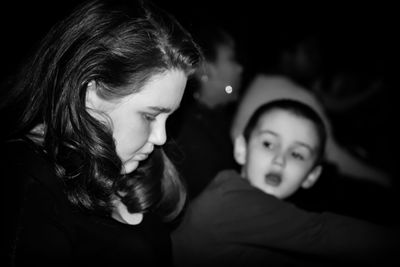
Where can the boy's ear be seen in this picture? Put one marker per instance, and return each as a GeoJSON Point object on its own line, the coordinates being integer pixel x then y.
{"type": "Point", "coordinates": [312, 177]}
{"type": "Point", "coordinates": [240, 150]}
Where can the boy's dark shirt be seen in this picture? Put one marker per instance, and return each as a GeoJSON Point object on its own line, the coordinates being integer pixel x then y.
{"type": "Point", "coordinates": [235, 224]}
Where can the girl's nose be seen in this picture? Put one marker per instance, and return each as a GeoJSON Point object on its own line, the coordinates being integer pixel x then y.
{"type": "Point", "coordinates": [158, 134]}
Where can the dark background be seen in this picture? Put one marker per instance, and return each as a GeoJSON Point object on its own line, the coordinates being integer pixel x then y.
{"type": "Point", "coordinates": [362, 35]}
{"type": "Point", "coordinates": [359, 37]}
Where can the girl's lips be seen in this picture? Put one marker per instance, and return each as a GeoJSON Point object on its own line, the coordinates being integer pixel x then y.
{"type": "Point", "coordinates": [141, 156]}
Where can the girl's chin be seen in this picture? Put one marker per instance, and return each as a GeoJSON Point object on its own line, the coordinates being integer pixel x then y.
{"type": "Point", "coordinates": [129, 166]}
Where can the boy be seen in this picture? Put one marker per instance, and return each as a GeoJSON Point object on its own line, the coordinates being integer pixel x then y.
{"type": "Point", "coordinates": [281, 148]}
{"type": "Point", "coordinates": [243, 222]}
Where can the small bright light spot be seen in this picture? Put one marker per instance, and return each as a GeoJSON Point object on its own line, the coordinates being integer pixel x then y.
{"type": "Point", "coordinates": [228, 89]}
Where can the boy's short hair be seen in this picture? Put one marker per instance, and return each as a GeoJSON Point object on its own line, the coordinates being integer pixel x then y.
{"type": "Point", "coordinates": [295, 107]}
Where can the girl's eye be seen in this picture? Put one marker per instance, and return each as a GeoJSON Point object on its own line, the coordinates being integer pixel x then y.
{"type": "Point", "coordinates": [149, 117]}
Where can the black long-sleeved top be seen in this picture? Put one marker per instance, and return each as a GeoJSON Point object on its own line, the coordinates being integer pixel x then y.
{"type": "Point", "coordinates": [43, 229]}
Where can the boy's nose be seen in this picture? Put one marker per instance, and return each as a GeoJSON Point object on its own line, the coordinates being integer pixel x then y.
{"type": "Point", "coordinates": [279, 159]}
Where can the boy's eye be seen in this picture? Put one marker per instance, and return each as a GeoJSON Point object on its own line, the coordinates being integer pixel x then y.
{"type": "Point", "coordinates": [297, 155]}
{"type": "Point", "coordinates": [267, 144]}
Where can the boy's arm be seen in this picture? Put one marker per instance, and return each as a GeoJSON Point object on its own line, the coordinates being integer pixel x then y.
{"type": "Point", "coordinates": [250, 216]}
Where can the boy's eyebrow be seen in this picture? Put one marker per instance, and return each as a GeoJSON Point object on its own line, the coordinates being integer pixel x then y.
{"type": "Point", "coordinates": [306, 145]}
{"type": "Point", "coordinates": [260, 132]}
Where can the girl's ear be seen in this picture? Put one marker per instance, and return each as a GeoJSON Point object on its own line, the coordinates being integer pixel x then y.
{"type": "Point", "coordinates": [92, 100]}
{"type": "Point", "coordinates": [240, 150]}
{"type": "Point", "coordinates": [312, 177]}
{"type": "Point", "coordinates": [95, 105]}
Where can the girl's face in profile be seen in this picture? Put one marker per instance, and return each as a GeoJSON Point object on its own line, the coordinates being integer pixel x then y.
{"type": "Point", "coordinates": [138, 120]}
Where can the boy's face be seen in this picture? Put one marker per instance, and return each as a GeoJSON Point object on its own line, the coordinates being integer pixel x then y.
{"type": "Point", "coordinates": [280, 154]}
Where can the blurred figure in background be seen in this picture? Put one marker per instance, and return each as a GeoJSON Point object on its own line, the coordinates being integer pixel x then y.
{"type": "Point", "coordinates": [299, 68]}
{"type": "Point", "coordinates": [201, 126]}
{"type": "Point", "coordinates": [265, 88]}
{"type": "Point", "coordinates": [346, 168]}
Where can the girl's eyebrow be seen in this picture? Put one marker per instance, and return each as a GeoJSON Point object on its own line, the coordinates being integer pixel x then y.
{"type": "Point", "coordinates": [163, 109]}
{"type": "Point", "coordinates": [160, 109]}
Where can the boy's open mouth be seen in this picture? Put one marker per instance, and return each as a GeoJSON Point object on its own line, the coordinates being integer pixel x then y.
{"type": "Point", "coordinates": [273, 179]}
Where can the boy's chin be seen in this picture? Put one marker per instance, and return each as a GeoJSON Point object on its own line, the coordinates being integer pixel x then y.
{"type": "Point", "coordinates": [274, 191]}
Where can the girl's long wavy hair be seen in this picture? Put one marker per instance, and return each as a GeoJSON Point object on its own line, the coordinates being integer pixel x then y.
{"type": "Point", "coordinates": [115, 43]}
